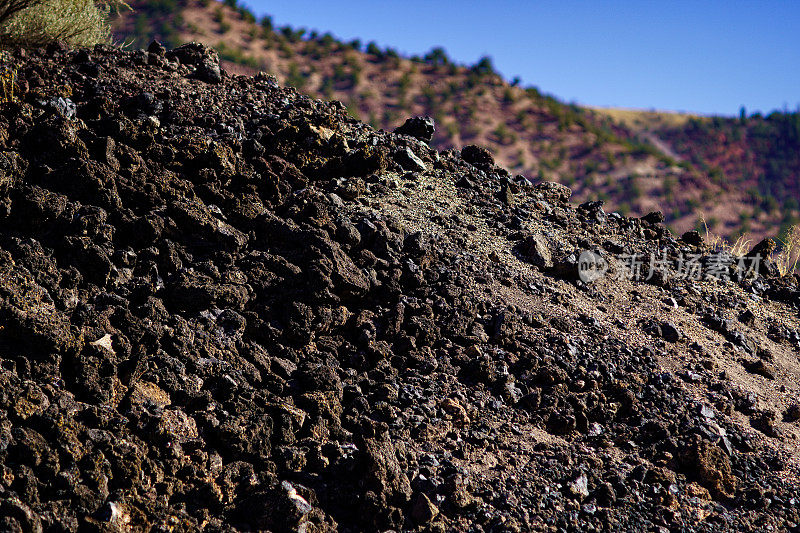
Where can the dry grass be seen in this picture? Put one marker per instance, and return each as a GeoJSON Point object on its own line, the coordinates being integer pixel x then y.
{"type": "Point", "coordinates": [789, 255]}
{"type": "Point", "coordinates": [737, 248]}
{"type": "Point", "coordinates": [640, 119]}
{"type": "Point", "coordinates": [33, 23]}
{"type": "Point", "coordinates": [740, 246]}
{"type": "Point", "coordinates": [786, 259]}
{"type": "Point", "coordinates": [8, 83]}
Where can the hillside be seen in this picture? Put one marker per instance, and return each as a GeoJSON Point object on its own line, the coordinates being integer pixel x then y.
{"type": "Point", "coordinates": [633, 170]}
{"type": "Point", "coordinates": [760, 154]}
{"type": "Point", "coordinates": [225, 306]}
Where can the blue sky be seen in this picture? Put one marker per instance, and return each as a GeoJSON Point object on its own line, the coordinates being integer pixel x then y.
{"type": "Point", "coordinates": [701, 56]}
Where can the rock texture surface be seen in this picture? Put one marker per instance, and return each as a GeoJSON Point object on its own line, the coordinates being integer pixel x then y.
{"type": "Point", "coordinates": [225, 306]}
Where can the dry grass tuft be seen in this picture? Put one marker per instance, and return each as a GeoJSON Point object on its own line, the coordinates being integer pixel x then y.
{"type": "Point", "coordinates": [740, 246]}
{"type": "Point", "coordinates": [788, 257]}
{"type": "Point", "coordinates": [639, 118]}
{"type": "Point", "coordinates": [8, 83]}
{"type": "Point", "coordinates": [737, 248]}
{"type": "Point", "coordinates": [32, 23]}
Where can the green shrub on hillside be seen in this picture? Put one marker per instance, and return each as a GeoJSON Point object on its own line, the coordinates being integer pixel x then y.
{"type": "Point", "coordinates": [484, 67]}
{"type": "Point", "coordinates": [266, 23]}
{"type": "Point", "coordinates": [503, 135]}
{"type": "Point", "coordinates": [219, 18]}
{"type": "Point", "coordinates": [437, 56]}
{"type": "Point", "coordinates": [429, 96]}
{"type": "Point", "coordinates": [247, 15]}
{"type": "Point", "coordinates": [326, 87]}
{"type": "Point", "coordinates": [39, 22]}
{"type": "Point", "coordinates": [295, 78]}
{"type": "Point", "coordinates": [236, 55]}
{"type": "Point", "coordinates": [452, 129]}
{"type": "Point", "coordinates": [404, 84]}
{"type": "Point", "coordinates": [352, 109]}
{"type": "Point", "coordinates": [292, 35]}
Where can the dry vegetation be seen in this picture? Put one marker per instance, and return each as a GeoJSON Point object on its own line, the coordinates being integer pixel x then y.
{"type": "Point", "coordinates": [736, 248]}
{"type": "Point", "coordinates": [33, 23]}
{"type": "Point", "coordinates": [638, 118]}
{"type": "Point", "coordinates": [789, 255]}
{"type": "Point", "coordinates": [8, 81]}
{"type": "Point", "coordinates": [786, 257]}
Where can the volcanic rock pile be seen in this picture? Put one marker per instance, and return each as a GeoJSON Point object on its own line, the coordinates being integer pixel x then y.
{"type": "Point", "coordinates": [226, 306]}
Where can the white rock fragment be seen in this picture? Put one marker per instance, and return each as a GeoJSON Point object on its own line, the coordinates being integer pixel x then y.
{"type": "Point", "coordinates": [105, 342]}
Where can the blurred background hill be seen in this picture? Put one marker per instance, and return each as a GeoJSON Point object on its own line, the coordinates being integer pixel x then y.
{"type": "Point", "coordinates": [739, 174]}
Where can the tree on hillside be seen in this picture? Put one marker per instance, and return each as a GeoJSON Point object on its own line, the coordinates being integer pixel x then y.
{"type": "Point", "coordinates": [437, 56]}
{"type": "Point", "coordinates": [484, 66]}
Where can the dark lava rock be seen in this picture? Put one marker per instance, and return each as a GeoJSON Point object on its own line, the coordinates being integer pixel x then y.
{"type": "Point", "coordinates": [421, 128]}
{"type": "Point", "coordinates": [593, 210]}
{"type": "Point", "coordinates": [552, 191]}
{"type": "Point", "coordinates": [409, 160]}
{"type": "Point", "coordinates": [566, 266]}
{"type": "Point", "coordinates": [191, 53]}
{"type": "Point", "coordinates": [654, 217]}
{"type": "Point", "coordinates": [215, 314]}
{"type": "Point", "coordinates": [465, 182]}
{"type": "Point", "coordinates": [747, 317]}
{"type": "Point", "coordinates": [477, 156]}
{"type": "Point", "coordinates": [711, 466]}
{"type": "Point", "coordinates": [765, 421]}
{"type": "Point", "coordinates": [157, 48]}
{"type": "Point", "coordinates": [389, 486]}
{"type": "Point", "coordinates": [536, 249]}
{"type": "Point", "coordinates": [209, 71]}
{"type": "Point", "coordinates": [506, 195]}
{"type": "Point", "coordinates": [761, 368]}
{"type": "Point", "coordinates": [692, 237]}
{"type": "Point", "coordinates": [423, 511]}
{"type": "Point", "coordinates": [62, 106]}
{"type": "Point", "coordinates": [665, 330]}
{"type": "Point", "coordinates": [792, 413]}
{"type": "Point", "coordinates": [763, 249]}
{"type": "Point", "coordinates": [613, 247]}
{"type": "Point", "coordinates": [145, 103]}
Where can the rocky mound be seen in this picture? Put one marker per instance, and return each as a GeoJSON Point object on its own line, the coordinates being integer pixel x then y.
{"type": "Point", "coordinates": [225, 306]}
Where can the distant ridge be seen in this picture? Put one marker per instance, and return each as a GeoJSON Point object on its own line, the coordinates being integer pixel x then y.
{"type": "Point", "coordinates": [737, 175]}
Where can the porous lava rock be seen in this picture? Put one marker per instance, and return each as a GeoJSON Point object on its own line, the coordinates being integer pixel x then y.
{"type": "Point", "coordinates": [227, 306]}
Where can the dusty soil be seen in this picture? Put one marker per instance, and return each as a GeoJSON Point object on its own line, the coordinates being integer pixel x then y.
{"type": "Point", "coordinates": [225, 306]}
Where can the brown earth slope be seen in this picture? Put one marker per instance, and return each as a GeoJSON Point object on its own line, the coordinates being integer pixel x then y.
{"type": "Point", "coordinates": [225, 306]}
{"type": "Point", "coordinates": [634, 169]}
